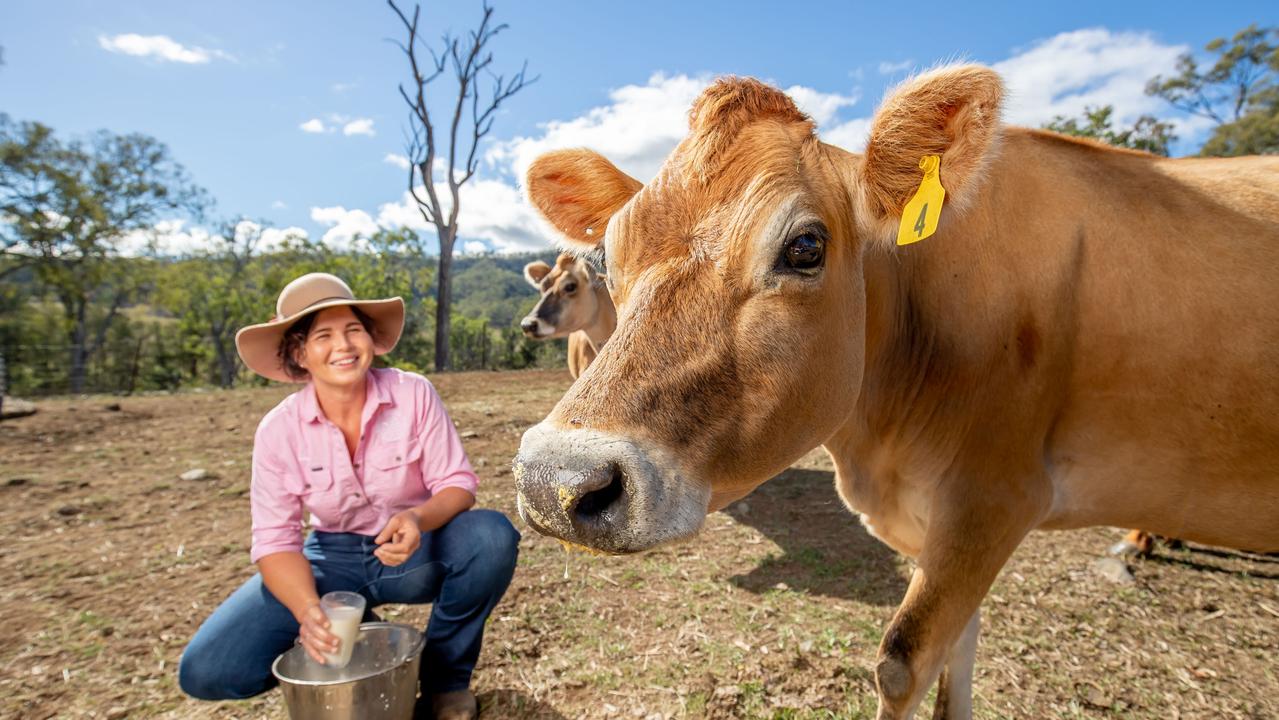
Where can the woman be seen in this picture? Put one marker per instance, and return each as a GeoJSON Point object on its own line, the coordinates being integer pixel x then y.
{"type": "Point", "coordinates": [372, 455]}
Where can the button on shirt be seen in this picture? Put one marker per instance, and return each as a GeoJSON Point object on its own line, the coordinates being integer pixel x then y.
{"type": "Point", "coordinates": [408, 451]}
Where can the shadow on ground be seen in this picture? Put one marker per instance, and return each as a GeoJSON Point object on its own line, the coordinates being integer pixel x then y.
{"type": "Point", "coordinates": [825, 549]}
{"type": "Point", "coordinates": [508, 703]}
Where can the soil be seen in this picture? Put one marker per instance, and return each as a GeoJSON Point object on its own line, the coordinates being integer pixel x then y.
{"type": "Point", "coordinates": [110, 562]}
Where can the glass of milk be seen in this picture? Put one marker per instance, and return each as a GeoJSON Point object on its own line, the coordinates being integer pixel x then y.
{"type": "Point", "coordinates": [344, 611]}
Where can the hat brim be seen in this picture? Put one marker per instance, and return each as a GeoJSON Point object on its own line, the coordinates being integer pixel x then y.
{"type": "Point", "coordinates": [259, 345]}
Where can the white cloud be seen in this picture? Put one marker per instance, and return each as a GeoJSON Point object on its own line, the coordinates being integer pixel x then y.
{"type": "Point", "coordinates": [359, 126]}
{"type": "Point", "coordinates": [1066, 73]}
{"type": "Point", "coordinates": [166, 237]}
{"type": "Point", "coordinates": [341, 87]}
{"type": "Point", "coordinates": [475, 247]}
{"type": "Point", "coordinates": [850, 135]}
{"type": "Point", "coordinates": [314, 125]}
{"type": "Point", "coordinates": [272, 238]}
{"type": "Point", "coordinates": [492, 210]}
{"type": "Point", "coordinates": [278, 205]}
{"type": "Point", "coordinates": [821, 107]}
{"type": "Point", "coordinates": [159, 47]}
{"type": "Point", "coordinates": [345, 225]}
{"type": "Point", "coordinates": [641, 125]}
{"type": "Point", "coordinates": [398, 161]}
{"type": "Point", "coordinates": [1087, 68]}
{"type": "Point", "coordinates": [892, 68]}
{"type": "Point", "coordinates": [636, 130]}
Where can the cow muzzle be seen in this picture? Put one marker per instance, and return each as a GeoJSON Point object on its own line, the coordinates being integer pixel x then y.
{"type": "Point", "coordinates": [604, 492]}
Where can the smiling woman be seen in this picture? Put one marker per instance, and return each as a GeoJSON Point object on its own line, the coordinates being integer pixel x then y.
{"type": "Point", "coordinates": [372, 455]}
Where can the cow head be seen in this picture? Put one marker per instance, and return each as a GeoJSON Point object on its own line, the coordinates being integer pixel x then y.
{"type": "Point", "coordinates": [568, 301]}
{"type": "Point", "coordinates": [742, 318]}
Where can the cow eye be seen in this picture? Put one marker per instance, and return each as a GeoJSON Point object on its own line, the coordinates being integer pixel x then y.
{"type": "Point", "coordinates": [805, 252]}
{"type": "Point", "coordinates": [570, 287]}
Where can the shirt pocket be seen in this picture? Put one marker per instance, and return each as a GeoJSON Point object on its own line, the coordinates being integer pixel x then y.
{"type": "Point", "coordinates": [399, 472]}
{"type": "Point", "coordinates": [318, 490]}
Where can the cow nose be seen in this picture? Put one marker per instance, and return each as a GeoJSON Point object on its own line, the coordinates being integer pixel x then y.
{"type": "Point", "coordinates": [575, 504]}
{"type": "Point", "coordinates": [529, 326]}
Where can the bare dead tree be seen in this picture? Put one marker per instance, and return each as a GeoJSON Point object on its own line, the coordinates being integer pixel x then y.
{"type": "Point", "coordinates": [465, 59]}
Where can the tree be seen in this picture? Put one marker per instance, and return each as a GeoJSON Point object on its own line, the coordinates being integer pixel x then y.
{"type": "Point", "coordinates": [465, 60]}
{"type": "Point", "coordinates": [66, 210]}
{"type": "Point", "coordinates": [1239, 92]}
{"type": "Point", "coordinates": [215, 292]}
{"type": "Point", "coordinates": [1148, 133]}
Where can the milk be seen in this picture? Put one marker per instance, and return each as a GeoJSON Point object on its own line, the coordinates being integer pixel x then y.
{"type": "Point", "coordinates": [345, 624]}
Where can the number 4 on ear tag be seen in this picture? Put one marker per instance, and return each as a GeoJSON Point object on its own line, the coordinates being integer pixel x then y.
{"type": "Point", "coordinates": [919, 219]}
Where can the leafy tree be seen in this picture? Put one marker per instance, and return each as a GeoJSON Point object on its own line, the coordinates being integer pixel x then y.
{"type": "Point", "coordinates": [1239, 92]}
{"type": "Point", "coordinates": [466, 61]}
{"type": "Point", "coordinates": [215, 292]}
{"type": "Point", "coordinates": [67, 210]}
{"type": "Point", "coordinates": [1148, 133]}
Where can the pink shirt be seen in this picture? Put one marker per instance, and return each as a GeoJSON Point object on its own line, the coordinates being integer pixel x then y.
{"type": "Point", "coordinates": [408, 451]}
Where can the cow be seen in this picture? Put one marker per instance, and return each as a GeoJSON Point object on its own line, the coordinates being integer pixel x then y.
{"type": "Point", "coordinates": [574, 304]}
{"type": "Point", "coordinates": [1091, 337]}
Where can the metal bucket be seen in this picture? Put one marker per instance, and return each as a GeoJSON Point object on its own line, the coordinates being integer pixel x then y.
{"type": "Point", "coordinates": [380, 682]}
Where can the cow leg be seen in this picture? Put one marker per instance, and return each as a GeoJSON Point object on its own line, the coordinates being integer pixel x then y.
{"type": "Point", "coordinates": [963, 552]}
{"type": "Point", "coordinates": [955, 688]}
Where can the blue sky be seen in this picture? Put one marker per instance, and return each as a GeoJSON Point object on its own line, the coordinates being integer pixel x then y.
{"type": "Point", "coordinates": [230, 86]}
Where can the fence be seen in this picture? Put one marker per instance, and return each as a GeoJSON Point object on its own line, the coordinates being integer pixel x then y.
{"type": "Point", "coordinates": [162, 358]}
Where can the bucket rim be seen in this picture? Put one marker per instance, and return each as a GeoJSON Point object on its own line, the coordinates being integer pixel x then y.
{"type": "Point", "coordinates": [414, 651]}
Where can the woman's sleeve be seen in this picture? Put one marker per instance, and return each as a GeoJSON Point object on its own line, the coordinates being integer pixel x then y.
{"type": "Point", "coordinates": [444, 462]}
{"type": "Point", "coordinates": [276, 509]}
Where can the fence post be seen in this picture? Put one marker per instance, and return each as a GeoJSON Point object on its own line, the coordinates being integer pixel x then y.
{"type": "Point", "coordinates": [4, 382]}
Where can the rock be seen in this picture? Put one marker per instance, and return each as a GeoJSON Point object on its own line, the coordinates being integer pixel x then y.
{"type": "Point", "coordinates": [743, 508]}
{"type": "Point", "coordinates": [1114, 570]}
{"type": "Point", "coordinates": [1123, 548]}
{"type": "Point", "coordinates": [15, 408]}
{"type": "Point", "coordinates": [69, 510]}
{"type": "Point", "coordinates": [469, 434]}
{"type": "Point", "coordinates": [113, 407]}
{"type": "Point", "coordinates": [117, 713]}
{"type": "Point", "coordinates": [195, 474]}
{"type": "Point", "coordinates": [16, 482]}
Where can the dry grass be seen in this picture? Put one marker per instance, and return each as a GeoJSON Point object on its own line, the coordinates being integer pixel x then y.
{"type": "Point", "coordinates": [110, 562]}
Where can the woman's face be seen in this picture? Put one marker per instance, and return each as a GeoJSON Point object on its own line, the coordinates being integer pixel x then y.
{"type": "Point", "coordinates": [338, 350]}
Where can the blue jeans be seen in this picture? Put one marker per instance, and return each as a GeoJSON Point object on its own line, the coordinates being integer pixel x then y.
{"type": "Point", "coordinates": [463, 567]}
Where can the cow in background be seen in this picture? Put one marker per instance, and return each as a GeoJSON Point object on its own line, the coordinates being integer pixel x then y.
{"type": "Point", "coordinates": [574, 304]}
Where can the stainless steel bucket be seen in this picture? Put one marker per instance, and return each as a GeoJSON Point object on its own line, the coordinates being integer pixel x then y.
{"type": "Point", "coordinates": [380, 682]}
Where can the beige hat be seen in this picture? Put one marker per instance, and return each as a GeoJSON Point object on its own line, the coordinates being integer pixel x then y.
{"type": "Point", "coordinates": [259, 345]}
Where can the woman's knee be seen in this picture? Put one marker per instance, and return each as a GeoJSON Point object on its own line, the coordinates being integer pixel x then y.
{"type": "Point", "coordinates": [208, 678]}
{"type": "Point", "coordinates": [497, 536]}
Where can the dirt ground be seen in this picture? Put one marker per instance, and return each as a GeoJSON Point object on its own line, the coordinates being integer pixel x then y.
{"type": "Point", "coordinates": [109, 562]}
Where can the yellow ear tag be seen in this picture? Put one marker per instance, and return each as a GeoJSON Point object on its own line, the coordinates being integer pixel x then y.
{"type": "Point", "coordinates": [919, 219]}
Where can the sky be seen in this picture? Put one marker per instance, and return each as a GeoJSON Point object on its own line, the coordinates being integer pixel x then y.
{"type": "Point", "coordinates": [288, 112]}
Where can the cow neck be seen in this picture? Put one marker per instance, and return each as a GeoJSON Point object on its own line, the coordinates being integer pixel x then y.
{"type": "Point", "coordinates": [904, 349]}
{"type": "Point", "coordinates": [604, 322]}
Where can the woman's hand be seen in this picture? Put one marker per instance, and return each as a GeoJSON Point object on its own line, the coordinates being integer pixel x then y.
{"type": "Point", "coordinates": [314, 633]}
{"type": "Point", "coordinates": [399, 539]}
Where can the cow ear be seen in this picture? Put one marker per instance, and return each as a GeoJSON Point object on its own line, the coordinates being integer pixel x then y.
{"type": "Point", "coordinates": [577, 191]}
{"type": "Point", "coordinates": [952, 112]}
{"type": "Point", "coordinates": [535, 272]}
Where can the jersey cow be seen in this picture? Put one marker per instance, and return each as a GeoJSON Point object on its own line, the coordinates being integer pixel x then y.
{"type": "Point", "coordinates": [574, 304]}
{"type": "Point", "coordinates": [1090, 338]}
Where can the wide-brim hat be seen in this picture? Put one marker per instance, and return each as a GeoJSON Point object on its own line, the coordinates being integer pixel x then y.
{"type": "Point", "coordinates": [259, 345]}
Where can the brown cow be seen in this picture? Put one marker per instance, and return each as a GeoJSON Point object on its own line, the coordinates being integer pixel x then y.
{"type": "Point", "coordinates": [1090, 338]}
{"type": "Point", "coordinates": [574, 304]}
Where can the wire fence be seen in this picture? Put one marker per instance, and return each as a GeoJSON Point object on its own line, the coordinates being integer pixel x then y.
{"type": "Point", "coordinates": [159, 358]}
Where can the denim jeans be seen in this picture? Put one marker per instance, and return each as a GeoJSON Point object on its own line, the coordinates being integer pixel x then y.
{"type": "Point", "coordinates": [463, 567]}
